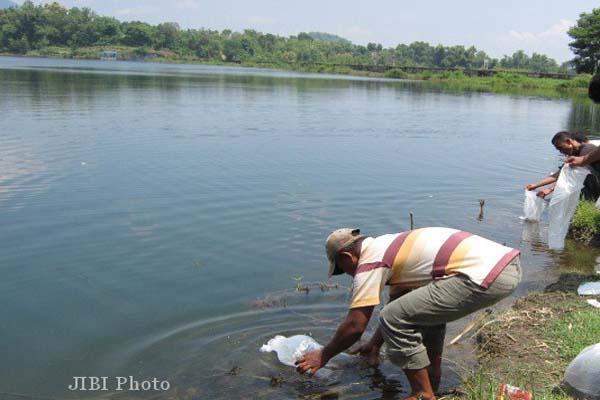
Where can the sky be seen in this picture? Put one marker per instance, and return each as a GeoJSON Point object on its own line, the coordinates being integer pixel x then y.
{"type": "Point", "coordinates": [496, 27]}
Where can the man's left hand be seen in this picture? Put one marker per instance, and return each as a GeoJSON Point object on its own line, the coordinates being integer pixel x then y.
{"type": "Point", "coordinates": [311, 362]}
{"type": "Point", "coordinates": [543, 193]}
{"type": "Point", "coordinates": [576, 161]}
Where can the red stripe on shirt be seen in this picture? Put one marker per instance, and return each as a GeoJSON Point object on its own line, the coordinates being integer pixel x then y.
{"type": "Point", "coordinates": [393, 249]}
{"type": "Point", "coordinates": [445, 252]}
{"type": "Point", "coordinates": [499, 267]}
{"type": "Point", "coordinates": [370, 266]}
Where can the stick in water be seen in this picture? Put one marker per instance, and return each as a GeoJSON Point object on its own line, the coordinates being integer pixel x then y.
{"type": "Point", "coordinates": [472, 325]}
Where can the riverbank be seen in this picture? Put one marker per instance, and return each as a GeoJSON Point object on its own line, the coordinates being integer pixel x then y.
{"type": "Point", "coordinates": [531, 345]}
{"type": "Point", "coordinates": [503, 82]}
{"type": "Point", "coordinates": [585, 226]}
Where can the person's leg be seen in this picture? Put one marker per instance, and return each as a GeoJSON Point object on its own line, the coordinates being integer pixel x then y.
{"type": "Point", "coordinates": [420, 384]}
{"type": "Point", "coordinates": [433, 339]}
{"type": "Point", "coordinates": [439, 302]}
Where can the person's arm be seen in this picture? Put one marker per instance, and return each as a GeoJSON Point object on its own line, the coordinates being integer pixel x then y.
{"type": "Point", "coordinates": [347, 334]}
{"type": "Point", "coordinates": [546, 181]}
{"type": "Point", "coordinates": [587, 159]}
{"type": "Point", "coordinates": [546, 192]}
{"type": "Point", "coordinates": [371, 349]}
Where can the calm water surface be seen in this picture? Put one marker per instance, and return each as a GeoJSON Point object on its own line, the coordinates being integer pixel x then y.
{"type": "Point", "coordinates": [149, 213]}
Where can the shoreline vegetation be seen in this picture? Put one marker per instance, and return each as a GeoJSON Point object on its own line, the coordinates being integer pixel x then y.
{"type": "Point", "coordinates": [512, 82]}
{"type": "Point", "coordinates": [531, 344]}
{"type": "Point", "coordinates": [51, 30]}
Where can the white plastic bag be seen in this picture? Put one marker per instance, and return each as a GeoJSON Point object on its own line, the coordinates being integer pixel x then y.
{"type": "Point", "coordinates": [583, 374]}
{"type": "Point", "coordinates": [289, 350]}
{"type": "Point", "coordinates": [589, 289]}
{"type": "Point", "coordinates": [533, 206]}
{"type": "Point", "coordinates": [563, 204]}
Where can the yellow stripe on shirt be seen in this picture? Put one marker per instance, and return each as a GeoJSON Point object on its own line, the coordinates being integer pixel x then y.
{"type": "Point", "coordinates": [403, 254]}
{"type": "Point", "coordinates": [457, 259]}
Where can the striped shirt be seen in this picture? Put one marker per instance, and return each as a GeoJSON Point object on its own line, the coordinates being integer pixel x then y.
{"type": "Point", "coordinates": [414, 258]}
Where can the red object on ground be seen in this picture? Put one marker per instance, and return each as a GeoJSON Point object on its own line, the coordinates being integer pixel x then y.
{"type": "Point", "coordinates": [508, 392]}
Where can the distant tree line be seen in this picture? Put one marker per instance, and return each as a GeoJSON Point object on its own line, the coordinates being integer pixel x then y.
{"type": "Point", "coordinates": [35, 27]}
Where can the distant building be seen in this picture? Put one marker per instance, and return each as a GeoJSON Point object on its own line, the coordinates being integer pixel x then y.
{"type": "Point", "coordinates": [108, 55]}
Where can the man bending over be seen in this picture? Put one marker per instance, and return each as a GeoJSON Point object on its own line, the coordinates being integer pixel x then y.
{"type": "Point", "coordinates": [436, 275]}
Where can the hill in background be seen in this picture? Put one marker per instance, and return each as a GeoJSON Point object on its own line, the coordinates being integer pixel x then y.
{"type": "Point", "coordinates": [328, 37]}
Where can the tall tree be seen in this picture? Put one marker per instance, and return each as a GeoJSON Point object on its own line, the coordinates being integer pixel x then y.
{"type": "Point", "coordinates": [586, 45]}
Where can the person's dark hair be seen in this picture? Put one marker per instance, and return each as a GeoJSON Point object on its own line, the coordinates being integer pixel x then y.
{"type": "Point", "coordinates": [580, 137]}
{"type": "Point", "coordinates": [561, 137]}
{"type": "Point", "coordinates": [594, 88]}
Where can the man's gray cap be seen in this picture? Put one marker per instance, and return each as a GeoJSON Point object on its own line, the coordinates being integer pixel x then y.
{"type": "Point", "coordinates": [338, 240]}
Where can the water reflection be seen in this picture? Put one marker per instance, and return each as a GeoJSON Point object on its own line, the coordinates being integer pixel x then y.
{"type": "Point", "coordinates": [584, 116]}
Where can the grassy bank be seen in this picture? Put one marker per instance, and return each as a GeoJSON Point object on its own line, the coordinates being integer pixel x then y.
{"type": "Point", "coordinates": [531, 345]}
{"type": "Point", "coordinates": [503, 82]}
{"type": "Point", "coordinates": [585, 226]}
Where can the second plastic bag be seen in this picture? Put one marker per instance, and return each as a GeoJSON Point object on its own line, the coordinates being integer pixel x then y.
{"type": "Point", "coordinates": [583, 374]}
{"type": "Point", "coordinates": [563, 204]}
{"type": "Point", "coordinates": [533, 206]}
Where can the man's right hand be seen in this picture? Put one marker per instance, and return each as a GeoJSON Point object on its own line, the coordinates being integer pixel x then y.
{"type": "Point", "coordinates": [531, 186]}
{"type": "Point", "coordinates": [369, 351]}
{"type": "Point", "coordinates": [576, 161]}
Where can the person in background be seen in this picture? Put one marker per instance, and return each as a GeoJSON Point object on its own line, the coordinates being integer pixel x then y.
{"type": "Point", "coordinates": [571, 144]}
{"type": "Point", "coordinates": [436, 275]}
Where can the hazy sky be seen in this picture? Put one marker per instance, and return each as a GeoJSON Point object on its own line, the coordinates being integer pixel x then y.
{"type": "Point", "coordinates": [497, 27]}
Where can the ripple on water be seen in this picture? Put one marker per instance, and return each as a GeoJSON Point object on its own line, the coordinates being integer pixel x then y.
{"type": "Point", "coordinates": [219, 357]}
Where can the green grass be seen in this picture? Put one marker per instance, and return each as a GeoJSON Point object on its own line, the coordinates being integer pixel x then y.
{"type": "Point", "coordinates": [576, 331]}
{"type": "Point", "coordinates": [504, 81]}
{"type": "Point", "coordinates": [586, 221]}
{"type": "Point", "coordinates": [396, 73]}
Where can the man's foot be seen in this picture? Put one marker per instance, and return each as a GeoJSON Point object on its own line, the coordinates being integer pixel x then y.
{"type": "Point", "coordinates": [419, 396]}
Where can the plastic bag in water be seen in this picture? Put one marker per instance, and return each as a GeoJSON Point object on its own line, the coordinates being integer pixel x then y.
{"type": "Point", "coordinates": [563, 204]}
{"type": "Point", "coordinates": [533, 206]}
{"type": "Point", "coordinates": [289, 350]}
{"type": "Point", "coordinates": [583, 374]}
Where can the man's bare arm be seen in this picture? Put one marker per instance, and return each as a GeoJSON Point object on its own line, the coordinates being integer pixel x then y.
{"type": "Point", "coordinates": [347, 334]}
{"type": "Point", "coordinates": [349, 331]}
{"type": "Point", "coordinates": [370, 350]}
{"type": "Point", "coordinates": [582, 161]}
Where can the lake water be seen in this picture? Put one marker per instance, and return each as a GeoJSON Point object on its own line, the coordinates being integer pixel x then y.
{"type": "Point", "coordinates": [155, 219]}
